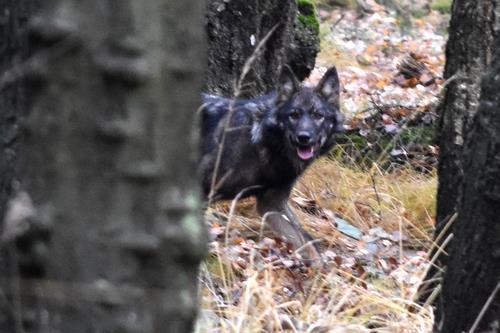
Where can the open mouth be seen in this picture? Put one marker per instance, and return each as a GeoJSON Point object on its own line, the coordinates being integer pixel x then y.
{"type": "Point", "coordinates": [305, 153]}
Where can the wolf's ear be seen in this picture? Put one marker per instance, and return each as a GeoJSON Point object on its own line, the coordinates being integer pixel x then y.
{"type": "Point", "coordinates": [288, 84]}
{"type": "Point", "coordinates": [329, 87]}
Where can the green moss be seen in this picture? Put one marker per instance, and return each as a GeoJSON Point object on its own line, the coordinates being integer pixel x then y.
{"type": "Point", "coordinates": [358, 141]}
{"type": "Point", "coordinates": [419, 13]}
{"type": "Point", "coordinates": [307, 14]}
{"type": "Point", "coordinates": [443, 6]}
{"type": "Point", "coordinates": [419, 134]}
{"type": "Point", "coordinates": [337, 3]}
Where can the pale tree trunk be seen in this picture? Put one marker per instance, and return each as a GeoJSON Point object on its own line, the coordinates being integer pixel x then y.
{"type": "Point", "coordinates": [110, 237]}
{"type": "Point", "coordinates": [468, 52]}
{"type": "Point", "coordinates": [472, 278]}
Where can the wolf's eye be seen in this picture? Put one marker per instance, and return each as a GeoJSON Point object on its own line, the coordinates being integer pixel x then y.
{"type": "Point", "coordinates": [317, 116]}
{"type": "Point", "coordinates": [294, 114]}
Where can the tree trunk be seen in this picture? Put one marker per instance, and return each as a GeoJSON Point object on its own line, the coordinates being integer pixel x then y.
{"type": "Point", "coordinates": [473, 268]}
{"type": "Point", "coordinates": [13, 50]}
{"type": "Point", "coordinates": [468, 53]}
{"type": "Point", "coordinates": [236, 27]}
{"type": "Point", "coordinates": [109, 237]}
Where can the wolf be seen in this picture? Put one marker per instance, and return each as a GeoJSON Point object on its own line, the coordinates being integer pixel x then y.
{"type": "Point", "coordinates": [259, 147]}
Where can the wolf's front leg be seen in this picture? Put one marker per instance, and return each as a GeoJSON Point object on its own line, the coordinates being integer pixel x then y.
{"type": "Point", "coordinates": [273, 206]}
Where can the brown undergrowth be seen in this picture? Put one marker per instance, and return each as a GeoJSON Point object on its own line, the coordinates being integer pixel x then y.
{"type": "Point", "coordinates": [252, 282]}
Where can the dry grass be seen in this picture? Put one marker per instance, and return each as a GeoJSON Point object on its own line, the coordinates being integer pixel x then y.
{"type": "Point", "coordinates": [331, 302]}
{"type": "Point", "coordinates": [403, 199]}
{"type": "Point", "coordinates": [243, 292]}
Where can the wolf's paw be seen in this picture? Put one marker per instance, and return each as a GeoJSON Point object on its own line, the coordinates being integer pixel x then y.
{"type": "Point", "coordinates": [310, 255]}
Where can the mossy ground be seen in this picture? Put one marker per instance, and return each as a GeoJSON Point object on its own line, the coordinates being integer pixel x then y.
{"type": "Point", "coordinates": [443, 6]}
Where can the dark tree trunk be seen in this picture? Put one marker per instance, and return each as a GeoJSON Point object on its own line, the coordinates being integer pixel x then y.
{"type": "Point", "coordinates": [104, 233]}
{"type": "Point", "coordinates": [14, 45]}
{"type": "Point", "coordinates": [13, 51]}
{"type": "Point", "coordinates": [468, 53]}
{"type": "Point", "coordinates": [236, 27]}
{"type": "Point", "coordinates": [473, 268]}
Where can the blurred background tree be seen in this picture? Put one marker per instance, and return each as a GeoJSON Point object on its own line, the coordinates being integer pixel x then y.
{"type": "Point", "coordinates": [103, 233]}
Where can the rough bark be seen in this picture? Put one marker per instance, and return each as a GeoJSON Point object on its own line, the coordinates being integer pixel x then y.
{"type": "Point", "coordinates": [110, 237]}
{"type": "Point", "coordinates": [236, 27]}
{"type": "Point", "coordinates": [473, 268]}
{"type": "Point", "coordinates": [468, 52]}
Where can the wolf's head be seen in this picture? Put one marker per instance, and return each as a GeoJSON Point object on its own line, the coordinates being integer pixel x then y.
{"type": "Point", "coordinates": [308, 116]}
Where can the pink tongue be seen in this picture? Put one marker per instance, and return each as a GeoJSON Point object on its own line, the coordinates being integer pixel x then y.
{"type": "Point", "coordinates": [305, 153]}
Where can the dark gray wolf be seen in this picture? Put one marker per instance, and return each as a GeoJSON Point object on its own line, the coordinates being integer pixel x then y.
{"type": "Point", "coordinates": [259, 147]}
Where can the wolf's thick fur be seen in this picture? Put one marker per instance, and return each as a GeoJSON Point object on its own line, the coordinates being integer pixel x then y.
{"type": "Point", "coordinates": [268, 143]}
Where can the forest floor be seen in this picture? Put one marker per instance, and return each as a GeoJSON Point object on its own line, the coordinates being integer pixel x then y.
{"type": "Point", "coordinates": [371, 203]}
